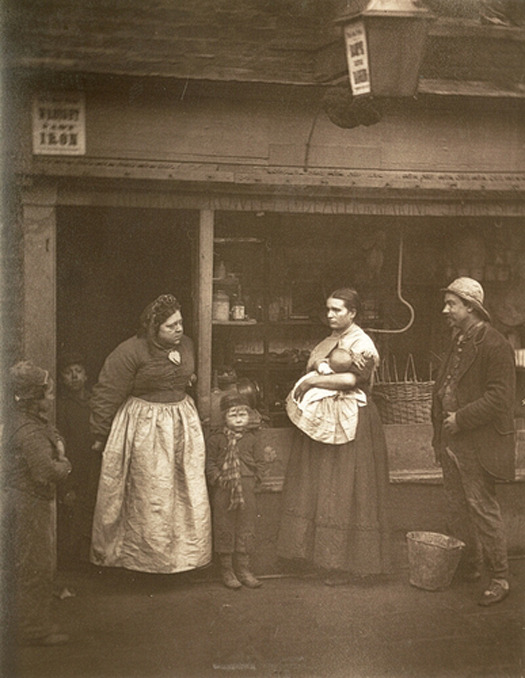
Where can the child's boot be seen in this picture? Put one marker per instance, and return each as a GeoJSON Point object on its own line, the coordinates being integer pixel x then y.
{"type": "Point", "coordinates": [227, 574]}
{"type": "Point", "coordinates": [244, 575]}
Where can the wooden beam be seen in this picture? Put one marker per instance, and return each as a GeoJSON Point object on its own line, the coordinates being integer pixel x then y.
{"type": "Point", "coordinates": [453, 201]}
{"type": "Point", "coordinates": [212, 180]}
{"type": "Point", "coordinates": [204, 321]}
{"type": "Point", "coordinates": [447, 27]}
{"type": "Point", "coordinates": [39, 275]}
{"type": "Point", "coordinates": [474, 88]}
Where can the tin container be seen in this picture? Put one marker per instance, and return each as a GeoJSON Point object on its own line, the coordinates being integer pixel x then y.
{"type": "Point", "coordinates": [220, 307]}
{"type": "Point", "coordinates": [238, 312]}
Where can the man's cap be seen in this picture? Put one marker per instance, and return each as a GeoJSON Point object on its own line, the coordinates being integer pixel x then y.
{"type": "Point", "coordinates": [233, 400]}
{"type": "Point", "coordinates": [28, 381]}
{"type": "Point", "coordinates": [470, 291]}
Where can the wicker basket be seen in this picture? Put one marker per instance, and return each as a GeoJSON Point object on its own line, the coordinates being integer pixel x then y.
{"type": "Point", "coordinates": [403, 402]}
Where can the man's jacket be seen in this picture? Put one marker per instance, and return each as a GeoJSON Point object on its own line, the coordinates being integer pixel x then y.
{"type": "Point", "coordinates": [485, 394]}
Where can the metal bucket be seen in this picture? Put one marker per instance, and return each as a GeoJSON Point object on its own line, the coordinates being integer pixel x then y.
{"type": "Point", "coordinates": [432, 559]}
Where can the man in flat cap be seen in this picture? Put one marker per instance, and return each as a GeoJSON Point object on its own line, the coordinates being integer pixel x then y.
{"type": "Point", "coordinates": [473, 421]}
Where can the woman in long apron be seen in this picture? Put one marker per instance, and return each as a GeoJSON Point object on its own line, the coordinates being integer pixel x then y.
{"type": "Point", "coordinates": [152, 512]}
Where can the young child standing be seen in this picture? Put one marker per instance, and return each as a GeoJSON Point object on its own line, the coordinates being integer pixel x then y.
{"type": "Point", "coordinates": [235, 464]}
{"type": "Point", "coordinates": [77, 496]}
{"type": "Point", "coordinates": [35, 463]}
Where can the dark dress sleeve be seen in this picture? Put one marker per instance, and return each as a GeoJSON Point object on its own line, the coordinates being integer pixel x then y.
{"type": "Point", "coordinates": [115, 384]}
{"type": "Point", "coordinates": [362, 367]}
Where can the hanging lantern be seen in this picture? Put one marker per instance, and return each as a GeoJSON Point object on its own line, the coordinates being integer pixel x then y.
{"type": "Point", "coordinates": [385, 44]}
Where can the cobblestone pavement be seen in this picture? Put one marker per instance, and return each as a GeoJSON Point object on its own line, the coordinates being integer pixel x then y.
{"type": "Point", "coordinates": [130, 625]}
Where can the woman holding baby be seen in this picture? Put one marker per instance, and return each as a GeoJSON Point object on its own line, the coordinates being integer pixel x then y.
{"type": "Point", "coordinates": [334, 512]}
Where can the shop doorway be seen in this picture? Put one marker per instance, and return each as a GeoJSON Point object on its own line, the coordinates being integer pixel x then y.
{"type": "Point", "coordinates": [111, 262]}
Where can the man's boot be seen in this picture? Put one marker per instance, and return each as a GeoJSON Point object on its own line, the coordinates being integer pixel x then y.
{"type": "Point", "coordinates": [228, 575]}
{"type": "Point", "coordinates": [242, 569]}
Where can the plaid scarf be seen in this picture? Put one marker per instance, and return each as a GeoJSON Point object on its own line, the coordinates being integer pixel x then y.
{"type": "Point", "coordinates": [230, 478]}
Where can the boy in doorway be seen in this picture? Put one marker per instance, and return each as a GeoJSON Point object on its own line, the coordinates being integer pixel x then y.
{"type": "Point", "coordinates": [77, 496]}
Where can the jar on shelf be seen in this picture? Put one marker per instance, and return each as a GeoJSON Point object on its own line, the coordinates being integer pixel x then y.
{"type": "Point", "coordinates": [219, 272]}
{"type": "Point", "coordinates": [238, 309]}
{"type": "Point", "coordinates": [220, 307]}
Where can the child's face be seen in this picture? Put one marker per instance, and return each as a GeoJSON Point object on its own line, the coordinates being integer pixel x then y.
{"type": "Point", "coordinates": [74, 377]}
{"type": "Point", "coordinates": [237, 418]}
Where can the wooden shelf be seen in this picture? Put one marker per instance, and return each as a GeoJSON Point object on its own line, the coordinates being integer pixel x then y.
{"type": "Point", "coordinates": [290, 367]}
{"type": "Point", "coordinates": [237, 240]}
{"type": "Point", "coordinates": [269, 323]}
{"type": "Point", "coordinates": [275, 367]}
{"type": "Point", "coordinates": [227, 281]}
{"type": "Point", "coordinates": [236, 323]}
{"type": "Point", "coordinates": [293, 321]}
{"type": "Point", "coordinates": [273, 376]}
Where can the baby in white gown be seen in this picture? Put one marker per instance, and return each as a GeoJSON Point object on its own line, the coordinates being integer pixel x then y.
{"type": "Point", "coordinates": [327, 415]}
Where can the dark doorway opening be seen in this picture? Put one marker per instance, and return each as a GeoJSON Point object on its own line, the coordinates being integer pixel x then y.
{"type": "Point", "coordinates": [111, 262]}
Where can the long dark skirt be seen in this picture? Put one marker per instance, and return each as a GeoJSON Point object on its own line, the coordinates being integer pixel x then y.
{"type": "Point", "coordinates": [334, 504]}
{"type": "Point", "coordinates": [32, 531]}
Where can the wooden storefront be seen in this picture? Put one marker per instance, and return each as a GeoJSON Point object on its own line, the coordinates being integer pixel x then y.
{"type": "Point", "coordinates": [247, 189]}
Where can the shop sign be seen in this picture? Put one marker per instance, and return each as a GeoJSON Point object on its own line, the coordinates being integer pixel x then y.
{"type": "Point", "coordinates": [357, 58]}
{"type": "Point", "coordinates": [59, 124]}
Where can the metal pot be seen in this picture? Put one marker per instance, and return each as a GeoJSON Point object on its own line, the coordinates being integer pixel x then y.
{"type": "Point", "coordinates": [250, 390]}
